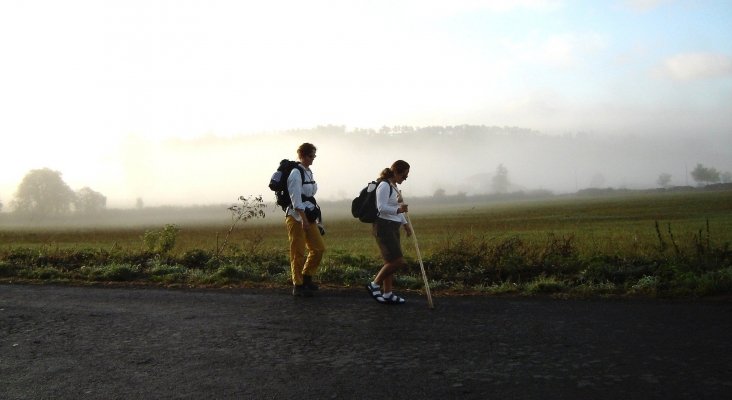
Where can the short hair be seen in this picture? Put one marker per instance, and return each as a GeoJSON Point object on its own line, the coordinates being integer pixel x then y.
{"type": "Point", "coordinates": [306, 149]}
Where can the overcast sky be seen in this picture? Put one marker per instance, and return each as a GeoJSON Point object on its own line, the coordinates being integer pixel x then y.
{"type": "Point", "coordinates": [77, 75]}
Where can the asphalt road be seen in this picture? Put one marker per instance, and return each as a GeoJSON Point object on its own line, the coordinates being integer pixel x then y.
{"type": "Point", "coordinates": [65, 342]}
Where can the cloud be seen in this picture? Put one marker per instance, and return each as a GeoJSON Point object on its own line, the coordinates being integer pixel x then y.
{"type": "Point", "coordinates": [492, 5]}
{"type": "Point", "coordinates": [695, 66]}
{"type": "Point", "coordinates": [644, 5]}
{"type": "Point", "coordinates": [501, 5]}
{"type": "Point", "coordinates": [560, 50]}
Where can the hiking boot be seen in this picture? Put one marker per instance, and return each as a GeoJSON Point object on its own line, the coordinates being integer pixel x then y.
{"type": "Point", "coordinates": [301, 290]}
{"type": "Point", "coordinates": [307, 282]}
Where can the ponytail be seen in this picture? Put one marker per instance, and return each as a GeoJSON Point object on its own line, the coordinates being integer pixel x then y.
{"type": "Point", "coordinates": [388, 173]}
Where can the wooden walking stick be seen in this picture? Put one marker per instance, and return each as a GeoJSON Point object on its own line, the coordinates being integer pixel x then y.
{"type": "Point", "coordinates": [421, 265]}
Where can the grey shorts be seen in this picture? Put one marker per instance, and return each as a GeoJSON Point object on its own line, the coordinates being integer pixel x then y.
{"type": "Point", "coordinates": [387, 237]}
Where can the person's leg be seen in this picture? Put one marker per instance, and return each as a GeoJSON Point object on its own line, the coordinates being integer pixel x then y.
{"type": "Point", "coordinates": [391, 250]}
{"type": "Point", "coordinates": [296, 235]}
{"type": "Point", "coordinates": [316, 248]}
{"type": "Point", "coordinates": [385, 282]}
{"type": "Point", "coordinates": [386, 273]}
{"type": "Point", "coordinates": [388, 283]}
{"type": "Point", "coordinates": [387, 238]}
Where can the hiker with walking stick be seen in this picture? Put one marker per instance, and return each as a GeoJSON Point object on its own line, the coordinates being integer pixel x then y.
{"type": "Point", "coordinates": [391, 217]}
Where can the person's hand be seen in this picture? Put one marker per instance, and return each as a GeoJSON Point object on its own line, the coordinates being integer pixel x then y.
{"type": "Point", "coordinates": [408, 228]}
{"type": "Point", "coordinates": [305, 223]}
{"type": "Point", "coordinates": [403, 208]}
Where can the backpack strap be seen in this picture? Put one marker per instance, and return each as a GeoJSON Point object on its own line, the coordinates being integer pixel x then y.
{"type": "Point", "coordinates": [302, 174]}
{"type": "Point", "coordinates": [391, 188]}
{"type": "Point", "coordinates": [308, 198]}
{"type": "Point", "coordinates": [302, 178]}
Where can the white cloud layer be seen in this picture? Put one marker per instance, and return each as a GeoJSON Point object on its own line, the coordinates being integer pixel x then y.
{"type": "Point", "coordinates": [693, 66]}
{"type": "Point", "coordinates": [644, 5]}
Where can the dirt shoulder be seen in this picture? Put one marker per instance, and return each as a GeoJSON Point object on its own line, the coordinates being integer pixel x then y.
{"type": "Point", "coordinates": [122, 343]}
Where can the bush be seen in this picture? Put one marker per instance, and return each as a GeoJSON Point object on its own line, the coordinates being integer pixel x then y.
{"type": "Point", "coordinates": [228, 274]}
{"type": "Point", "coordinates": [348, 275]}
{"type": "Point", "coordinates": [499, 288]}
{"type": "Point", "coordinates": [594, 289]}
{"type": "Point", "coordinates": [161, 272]}
{"type": "Point", "coordinates": [617, 270]}
{"type": "Point", "coordinates": [715, 282]}
{"type": "Point", "coordinates": [410, 282]}
{"type": "Point", "coordinates": [699, 267]}
{"type": "Point", "coordinates": [545, 284]}
{"type": "Point", "coordinates": [706, 284]}
{"type": "Point", "coordinates": [509, 260]}
{"type": "Point", "coordinates": [196, 259]}
{"type": "Point", "coordinates": [473, 261]}
{"type": "Point", "coordinates": [116, 272]}
{"type": "Point", "coordinates": [647, 285]}
{"type": "Point", "coordinates": [559, 256]}
{"type": "Point", "coordinates": [161, 241]}
{"type": "Point", "coordinates": [339, 257]}
{"type": "Point", "coordinates": [464, 260]}
{"type": "Point", "coordinates": [7, 269]}
{"type": "Point", "coordinates": [42, 273]}
{"type": "Point", "coordinates": [22, 257]}
{"type": "Point", "coordinates": [253, 273]}
{"type": "Point", "coordinates": [75, 258]}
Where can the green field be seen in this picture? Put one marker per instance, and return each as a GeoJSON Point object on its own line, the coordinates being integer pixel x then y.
{"type": "Point", "coordinates": [647, 243]}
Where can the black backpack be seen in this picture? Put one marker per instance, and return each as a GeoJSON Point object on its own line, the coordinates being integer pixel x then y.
{"type": "Point", "coordinates": [278, 182]}
{"type": "Point", "coordinates": [363, 207]}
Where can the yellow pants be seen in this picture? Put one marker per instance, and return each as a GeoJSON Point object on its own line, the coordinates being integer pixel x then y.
{"type": "Point", "coordinates": [299, 241]}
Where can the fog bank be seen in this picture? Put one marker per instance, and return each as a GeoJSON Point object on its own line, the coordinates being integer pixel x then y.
{"type": "Point", "coordinates": [452, 159]}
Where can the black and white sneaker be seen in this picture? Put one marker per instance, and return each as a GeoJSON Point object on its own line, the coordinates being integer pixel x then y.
{"type": "Point", "coordinates": [375, 292]}
{"type": "Point", "coordinates": [394, 300]}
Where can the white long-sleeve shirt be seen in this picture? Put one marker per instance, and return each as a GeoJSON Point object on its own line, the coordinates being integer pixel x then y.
{"type": "Point", "coordinates": [297, 189]}
{"type": "Point", "coordinates": [388, 204]}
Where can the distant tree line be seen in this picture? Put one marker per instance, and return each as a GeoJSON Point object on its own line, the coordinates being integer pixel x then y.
{"type": "Point", "coordinates": [478, 135]}
{"type": "Point", "coordinates": [702, 176]}
{"type": "Point", "coordinates": [43, 192]}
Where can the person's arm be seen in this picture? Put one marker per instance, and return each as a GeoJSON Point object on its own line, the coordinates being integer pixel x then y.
{"type": "Point", "coordinates": [294, 187]}
{"type": "Point", "coordinates": [383, 191]}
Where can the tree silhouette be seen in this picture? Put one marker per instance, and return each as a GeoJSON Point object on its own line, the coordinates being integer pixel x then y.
{"type": "Point", "coordinates": [702, 174]}
{"type": "Point", "coordinates": [500, 180]}
{"type": "Point", "coordinates": [88, 201]}
{"type": "Point", "coordinates": [664, 180]}
{"type": "Point", "coordinates": [43, 192]}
